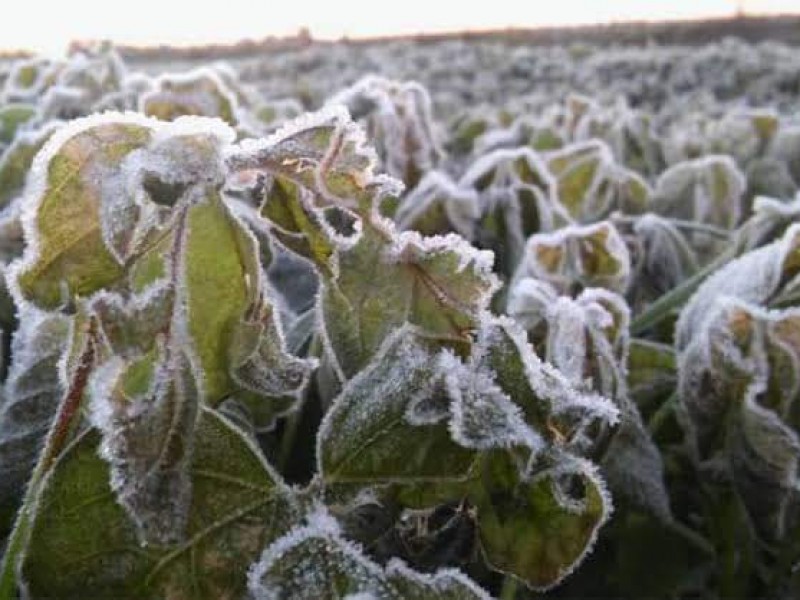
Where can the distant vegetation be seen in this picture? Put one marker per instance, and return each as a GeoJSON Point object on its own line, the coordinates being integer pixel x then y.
{"type": "Point", "coordinates": [457, 319]}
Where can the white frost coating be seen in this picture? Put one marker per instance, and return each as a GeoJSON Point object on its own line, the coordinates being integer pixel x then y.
{"type": "Point", "coordinates": [395, 112]}
{"type": "Point", "coordinates": [460, 205]}
{"type": "Point", "coordinates": [572, 242]}
{"type": "Point", "coordinates": [411, 242]}
{"type": "Point", "coordinates": [387, 394]}
{"type": "Point", "coordinates": [566, 339]}
{"type": "Point", "coordinates": [38, 182]}
{"type": "Point", "coordinates": [483, 416]}
{"type": "Point", "coordinates": [547, 382]}
{"type": "Point", "coordinates": [322, 527]}
{"type": "Point", "coordinates": [162, 85]}
{"type": "Point", "coordinates": [440, 581]}
{"type": "Point", "coordinates": [753, 277]}
{"type": "Point", "coordinates": [529, 301]}
{"type": "Point", "coordinates": [689, 190]}
{"type": "Point", "coordinates": [573, 465]}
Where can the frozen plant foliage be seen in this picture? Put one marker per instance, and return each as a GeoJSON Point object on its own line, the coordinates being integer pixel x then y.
{"type": "Point", "coordinates": [437, 206]}
{"type": "Point", "coordinates": [193, 299]}
{"type": "Point", "coordinates": [398, 118]}
{"type": "Point", "coordinates": [739, 383]}
{"type": "Point", "coordinates": [707, 190]}
{"type": "Point", "coordinates": [590, 184]}
{"type": "Point", "coordinates": [517, 197]}
{"type": "Point", "coordinates": [576, 257]}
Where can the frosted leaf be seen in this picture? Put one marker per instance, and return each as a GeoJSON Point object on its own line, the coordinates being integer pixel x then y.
{"type": "Point", "coordinates": [629, 133]}
{"type": "Point", "coordinates": [707, 190]}
{"type": "Point", "coordinates": [663, 258]}
{"type": "Point", "coordinates": [129, 326]}
{"type": "Point", "coordinates": [297, 225]}
{"type": "Point", "coordinates": [483, 416]}
{"type": "Point", "coordinates": [517, 197]}
{"type": "Point", "coordinates": [769, 177]}
{"type": "Point", "coordinates": [785, 147]}
{"type": "Point", "coordinates": [577, 257]}
{"type": "Point", "coordinates": [739, 382]}
{"type": "Point", "coordinates": [324, 152]}
{"type": "Point", "coordinates": [756, 277]}
{"type": "Point", "coordinates": [28, 79]}
{"type": "Point", "coordinates": [367, 436]}
{"type": "Point", "coordinates": [743, 135]}
{"type": "Point", "coordinates": [259, 361]}
{"type": "Point", "coordinates": [438, 206]}
{"type": "Point", "coordinates": [16, 161]}
{"type": "Point", "coordinates": [239, 505]}
{"type": "Point", "coordinates": [314, 561]}
{"type": "Point", "coordinates": [32, 392]}
{"type": "Point", "coordinates": [770, 219]}
{"type": "Point", "coordinates": [529, 301]}
{"type": "Point", "coordinates": [552, 406]}
{"type": "Point", "coordinates": [541, 527]}
{"type": "Point", "coordinates": [444, 584]}
{"type": "Point", "coordinates": [200, 92]}
{"type": "Point", "coordinates": [398, 119]}
{"type": "Point", "coordinates": [13, 119]}
{"type": "Point", "coordinates": [86, 210]}
{"type": "Point", "coordinates": [537, 134]}
{"type": "Point", "coordinates": [440, 284]}
{"type": "Point", "coordinates": [590, 185]}
{"type": "Point", "coordinates": [147, 411]}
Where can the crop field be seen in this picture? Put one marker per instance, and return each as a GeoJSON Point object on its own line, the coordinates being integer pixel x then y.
{"type": "Point", "coordinates": [452, 318]}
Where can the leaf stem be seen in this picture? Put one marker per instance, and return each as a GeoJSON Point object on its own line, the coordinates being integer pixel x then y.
{"type": "Point", "coordinates": [662, 413]}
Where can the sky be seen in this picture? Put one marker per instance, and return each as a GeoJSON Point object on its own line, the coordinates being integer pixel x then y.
{"type": "Point", "coordinates": [47, 26]}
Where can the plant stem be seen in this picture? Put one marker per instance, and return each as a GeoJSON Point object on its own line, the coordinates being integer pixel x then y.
{"type": "Point", "coordinates": [661, 414]}
{"type": "Point", "coordinates": [57, 437]}
{"type": "Point", "coordinates": [696, 540]}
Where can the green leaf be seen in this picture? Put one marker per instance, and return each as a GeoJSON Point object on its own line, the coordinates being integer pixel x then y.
{"type": "Point", "coordinates": [738, 384]}
{"type": "Point", "coordinates": [376, 430]}
{"type": "Point", "coordinates": [316, 561]}
{"type": "Point", "coordinates": [83, 545]}
{"type": "Point", "coordinates": [200, 92]}
{"type": "Point", "coordinates": [538, 528]}
{"type": "Point", "coordinates": [69, 256]}
{"type": "Point", "coordinates": [439, 284]}
{"type": "Point", "coordinates": [574, 258]}
{"type": "Point", "coordinates": [12, 117]}
{"type": "Point", "coordinates": [222, 278]}
{"type": "Point", "coordinates": [16, 160]}
{"type": "Point", "coordinates": [147, 410]}
{"type": "Point", "coordinates": [652, 368]}
{"type": "Point", "coordinates": [298, 225]}
{"type": "Point", "coordinates": [591, 185]}
{"type": "Point", "coordinates": [259, 361]}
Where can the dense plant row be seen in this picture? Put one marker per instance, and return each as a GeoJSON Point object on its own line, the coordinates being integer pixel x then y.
{"type": "Point", "coordinates": [254, 351]}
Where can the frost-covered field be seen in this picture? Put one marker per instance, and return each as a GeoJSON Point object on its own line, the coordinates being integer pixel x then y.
{"type": "Point", "coordinates": [443, 320]}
